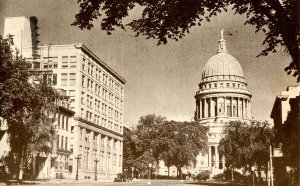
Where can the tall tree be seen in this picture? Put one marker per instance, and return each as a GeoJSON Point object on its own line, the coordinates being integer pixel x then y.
{"type": "Point", "coordinates": [247, 145]}
{"type": "Point", "coordinates": [169, 19]}
{"type": "Point", "coordinates": [25, 106]}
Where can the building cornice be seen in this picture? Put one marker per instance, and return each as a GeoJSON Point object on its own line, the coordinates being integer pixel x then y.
{"type": "Point", "coordinates": [97, 126]}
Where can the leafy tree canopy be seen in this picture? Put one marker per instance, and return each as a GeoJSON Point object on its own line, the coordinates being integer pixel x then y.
{"type": "Point", "coordinates": [246, 145]}
{"type": "Point", "coordinates": [26, 107]}
{"type": "Point", "coordinates": [155, 138]}
{"type": "Point", "coordinates": [168, 19]}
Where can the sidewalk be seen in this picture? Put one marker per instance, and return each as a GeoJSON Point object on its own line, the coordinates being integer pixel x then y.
{"type": "Point", "coordinates": [59, 181]}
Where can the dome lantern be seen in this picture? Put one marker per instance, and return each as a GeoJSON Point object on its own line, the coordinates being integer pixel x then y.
{"type": "Point", "coordinates": [222, 43]}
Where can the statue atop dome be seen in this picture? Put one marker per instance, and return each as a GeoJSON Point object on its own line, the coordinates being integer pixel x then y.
{"type": "Point", "coordinates": [222, 43]}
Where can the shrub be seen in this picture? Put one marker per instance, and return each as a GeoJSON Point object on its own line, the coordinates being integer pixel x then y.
{"type": "Point", "coordinates": [204, 175]}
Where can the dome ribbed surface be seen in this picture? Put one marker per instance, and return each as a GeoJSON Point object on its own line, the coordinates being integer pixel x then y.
{"type": "Point", "coordinates": [222, 64]}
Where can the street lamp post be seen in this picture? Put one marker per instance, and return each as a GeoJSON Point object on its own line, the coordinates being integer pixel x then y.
{"type": "Point", "coordinates": [96, 161]}
{"type": "Point", "coordinates": [149, 181]}
{"type": "Point", "coordinates": [77, 158]}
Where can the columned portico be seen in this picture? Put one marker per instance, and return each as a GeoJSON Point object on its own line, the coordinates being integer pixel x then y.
{"type": "Point", "coordinates": [222, 97]}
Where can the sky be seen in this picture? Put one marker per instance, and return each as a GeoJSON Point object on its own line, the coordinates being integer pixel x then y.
{"type": "Point", "coordinates": [163, 79]}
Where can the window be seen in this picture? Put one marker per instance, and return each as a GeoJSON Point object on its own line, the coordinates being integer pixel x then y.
{"type": "Point", "coordinates": [92, 69]}
{"type": "Point", "coordinates": [233, 85]}
{"type": "Point", "coordinates": [83, 81]}
{"type": "Point", "coordinates": [82, 113]}
{"type": "Point", "coordinates": [55, 64]}
{"type": "Point", "coordinates": [73, 62]}
{"type": "Point", "coordinates": [72, 93]}
{"type": "Point", "coordinates": [88, 84]}
{"type": "Point", "coordinates": [64, 79]}
{"type": "Point", "coordinates": [215, 84]}
{"type": "Point", "coordinates": [62, 142]}
{"type": "Point", "coordinates": [64, 62]}
{"type": "Point", "coordinates": [63, 122]}
{"type": "Point", "coordinates": [36, 65]}
{"type": "Point", "coordinates": [67, 123]}
{"type": "Point", "coordinates": [54, 79]}
{"type": "Point", "coordinates": [72, 79]}
{"type": "Point", "coordinates": [58, 122]}
{"type": "Point", "coordinates": [227, 84]}
{"type": "Point", "coordinates": [221, 84]}
{"type": "Point", "coordinates": [89, 64]}
{"type": "Point", "coordinates": [57, 141]}
{"type": "Point", "coordinates": [83, 64]}
{"type": "Point", "coordinates": [82, 98]}
{"type": "Point", "coordinates": [88, 100]}
{"type": "Point", "coordinates": [66, 144]}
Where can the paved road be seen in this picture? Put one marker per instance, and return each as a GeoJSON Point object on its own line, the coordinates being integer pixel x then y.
{"type": "Point", "coordinates": [143, 183]}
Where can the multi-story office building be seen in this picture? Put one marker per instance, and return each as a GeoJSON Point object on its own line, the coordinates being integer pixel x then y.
{"type": "Point", "coordinates": [96, 94]}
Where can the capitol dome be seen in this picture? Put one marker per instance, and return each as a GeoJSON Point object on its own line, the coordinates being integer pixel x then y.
{"type": "Point", "coordinates": [222, 64]}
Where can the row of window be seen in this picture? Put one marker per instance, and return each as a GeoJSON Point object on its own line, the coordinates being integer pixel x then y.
{"type": "Point", "coordinates": [102, 121]}
{"type": "Point", "coordinates": [63, 122]}
{"type": "Point", "coordinates": [103, 93]}
{"type": "Point", "coordinates": [101, 77]}
{"type": "Point", "coordinates": [53, 63]}
{"type": "Point", "coordinates": [103, 162]}
{"type": "Point", "coordinates": [62, 142]}
{"type": "Point", "coordinates": [215, 85]}
{"type": "Point", "coordinates": [88, 136]}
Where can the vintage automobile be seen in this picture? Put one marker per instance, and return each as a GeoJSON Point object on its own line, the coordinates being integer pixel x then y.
{"type": "Point", "coordinates": [122, 177]}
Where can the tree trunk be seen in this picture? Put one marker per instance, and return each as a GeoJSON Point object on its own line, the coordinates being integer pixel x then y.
{"type": "Point", "coordinates": [168, 171]}
{"type": "Point", "coordinates": [21, 171]}
{"type": "Point", "coordinates": [259, 173]}
{"type": "Point", "coordinates": [232, 172]}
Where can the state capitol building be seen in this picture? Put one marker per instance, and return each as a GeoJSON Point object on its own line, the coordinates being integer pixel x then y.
{"type": "Point", "coordinates": [222, 97]}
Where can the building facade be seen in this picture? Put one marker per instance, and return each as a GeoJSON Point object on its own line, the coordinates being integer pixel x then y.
{"type": "Point", "coordinates": [286, 117]}
{"type": "Point", "coordinates": [96, 94]}
{"type": "Point", "coordinates": [222, 97]}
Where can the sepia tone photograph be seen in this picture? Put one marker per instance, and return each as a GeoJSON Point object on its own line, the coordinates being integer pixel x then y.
{"type": "Point", "coordinates": [150, 92]}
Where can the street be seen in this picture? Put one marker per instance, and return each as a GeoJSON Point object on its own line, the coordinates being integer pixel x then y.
{"type": "Point", "coordinates": [142, 183]}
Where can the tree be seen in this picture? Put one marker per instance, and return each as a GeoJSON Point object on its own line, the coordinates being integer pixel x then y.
{"type": "Point", "coordinates": [129, 151]}
{"type": "Point", "coordinates": [247, 145]}
{"type": "Point", "coordinates": [155, 139]}
{"type": "Point", "coordinates": [26, 107]}
{"type": "Point", "coordinates": [168, 19]}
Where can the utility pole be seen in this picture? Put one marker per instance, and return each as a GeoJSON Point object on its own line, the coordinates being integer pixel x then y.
{"type": "Point", "coordinates": [271, 166]}
{"type": "Point", "coordinates": [149, 181]}
{"type": "Point", "coordinates": [77, 158]}
{"type": "Point", "coordinates": [96, 161]}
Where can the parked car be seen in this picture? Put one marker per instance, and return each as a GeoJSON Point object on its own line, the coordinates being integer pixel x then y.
{"type": "Point", "coordinates": [122, 177]}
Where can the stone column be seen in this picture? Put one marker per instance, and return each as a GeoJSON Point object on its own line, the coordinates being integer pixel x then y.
{"type": "Point", "coordinates": [223, 163]}
{"type": "Point", "coordinates": [237, 107]}
{"type": "Point", "coordinates": [225, 107]}
{"type": "Point", "coordinates": [242, 107]}
{"type": "Point", "coordinates": [216, 157]}
{"type": "Point", "coordinates": [249, 107]}
{"type": "Point", "coordinates": [209, 157]}
{"type": "Point", "coordinates": [205, 108]}
{"type": "Point", "coordinates": [231, 106]}
{"type": "Point", "coordinates": [211, 107]}
{"type": "Point", "coordinates": [197, 110]}
{"type": "Point", "coordinates": [217, 105]}
{"type": "Point", "coordinates": [99, 151]}
{"type": "Point", "coordinates": [200, 109]}
{"type": "Point", "coordinates": [91, 153]}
